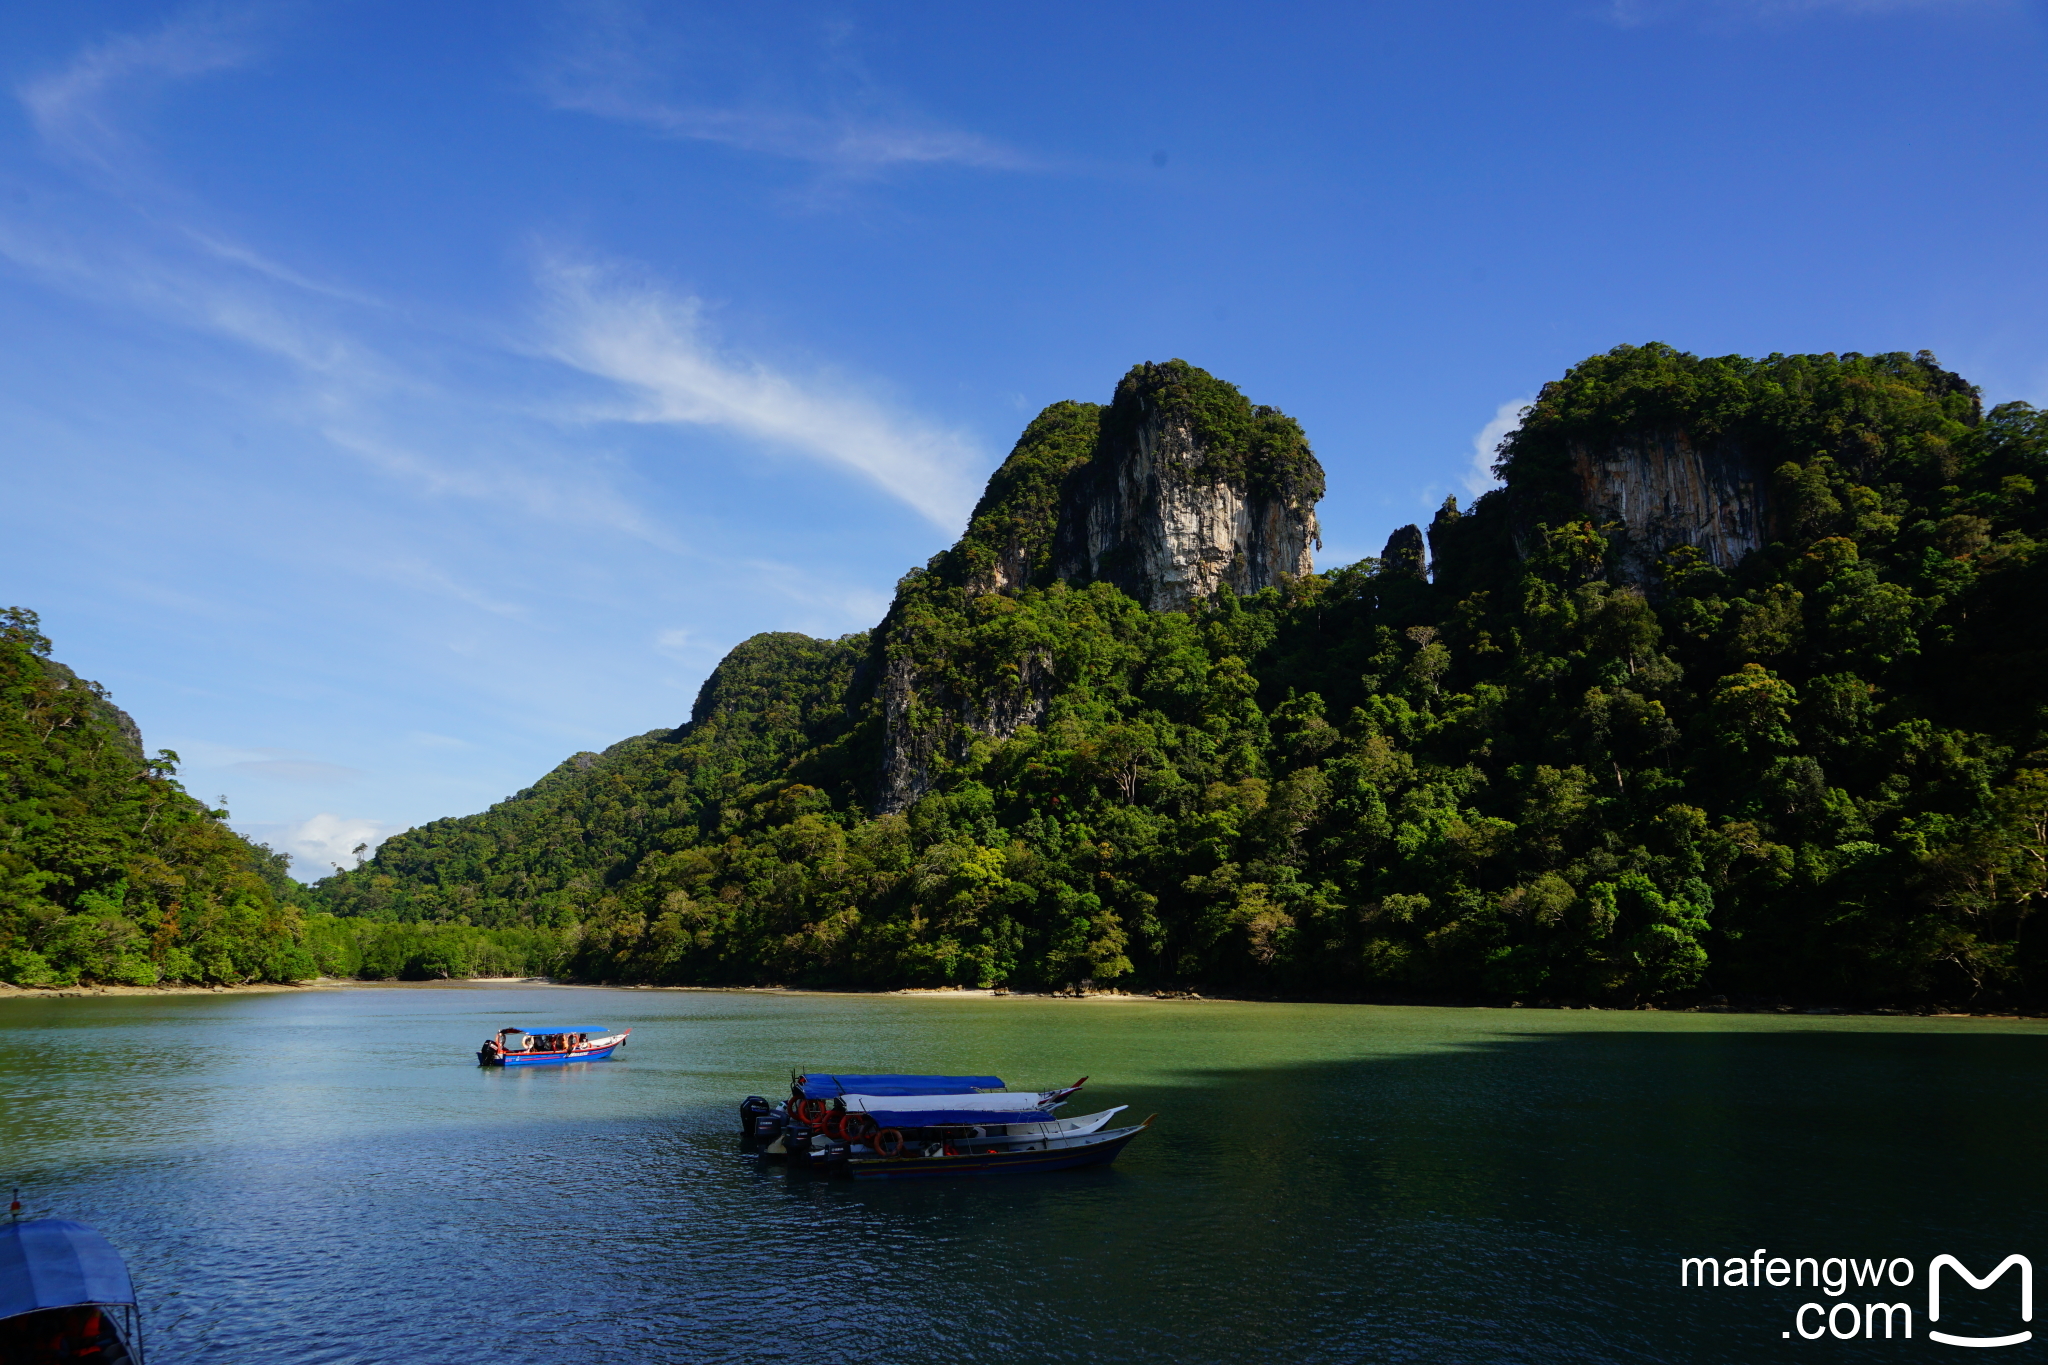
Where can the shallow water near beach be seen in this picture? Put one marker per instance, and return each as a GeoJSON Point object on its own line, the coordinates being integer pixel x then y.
{"type": "Point", "coordinates": [327, 1176]}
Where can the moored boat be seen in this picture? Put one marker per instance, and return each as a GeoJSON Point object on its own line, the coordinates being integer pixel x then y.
{"type": "Point", "coordinates": [816, 1099]}
{"type": "Point", "coordinates": [548, 1046]}
{"type": "Point", "coordinates": [65, 1296]}
{"type": "Point", "coordinates": [982, 1158]}
{"type": "Point", "coordinates": [840, 1123]}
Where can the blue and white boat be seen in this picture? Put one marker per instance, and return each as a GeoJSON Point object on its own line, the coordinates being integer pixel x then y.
{"type": "Point", "coordinates": [903, 1126]}
{"type": "Point", "coordinates": [549, 1046]}
{"type": "Point", "coordinates": [65, 1296]}
{"type": "Point", "coordinates": [977, 1157]}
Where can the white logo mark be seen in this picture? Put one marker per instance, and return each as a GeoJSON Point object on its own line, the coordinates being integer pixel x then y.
{"type": "Point", "coordinates": [2026, 1298]}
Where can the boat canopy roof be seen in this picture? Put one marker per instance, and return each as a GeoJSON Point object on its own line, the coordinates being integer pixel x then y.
{"type": "Point", "coordinates": [56, 1263]}
{"type": "Point", "coordinates": [950, 1118]}
{"type": "Point", "coordinates": [1007, 1102]}
{"type": "Point", "coordinates": [820, 1085]}
{"type": "Point", "coordinates": [559, 1028]}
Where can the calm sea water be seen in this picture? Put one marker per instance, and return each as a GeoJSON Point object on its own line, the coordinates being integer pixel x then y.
{"type": "Point", "coordinates": [326, 1176]}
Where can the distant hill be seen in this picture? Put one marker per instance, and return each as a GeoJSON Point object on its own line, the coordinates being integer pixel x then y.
{"type": "Point", "coordinates": [109, 870]}
{"type": "Point", "coordinates": [1737, 685]}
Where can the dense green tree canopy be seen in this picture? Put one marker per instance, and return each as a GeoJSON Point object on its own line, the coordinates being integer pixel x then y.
{"type": "Point", "coordinates": [1504, 774]}
{"type": "Point", "coordinates": [109, 871]}
{"type": "Point", "coordinates": [1514, 772]}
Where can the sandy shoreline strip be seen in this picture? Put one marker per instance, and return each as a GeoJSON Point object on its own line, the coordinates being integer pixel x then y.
{"type": "Point", "coordinates": [10, 992]}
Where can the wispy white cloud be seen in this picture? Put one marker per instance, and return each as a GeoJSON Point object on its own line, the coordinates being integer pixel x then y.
{"type": "Point", "coordinates": [656, 345]}
{"type": "Point", "coordinates": [73, 108]}
{"type": "Point", "coordinates": [834, 601]}
{"type": "Point", "coordinates": [846, 143]}
{"type": "Point", "coordinates": [606, 71]}
{"type": "Point", "coordinates": [151, 274]}
{"type": "Point", "coordinates": [321, 843]}
{"type": "Point", "coordinates": [545, 491]}
{"type": "Point", "coordinates": [1486, 444]}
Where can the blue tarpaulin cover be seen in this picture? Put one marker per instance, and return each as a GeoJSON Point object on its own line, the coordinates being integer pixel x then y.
{"type": "Point", "coordinates": [820, 1086]}
{"type": "Point", "coordinates": [56, 1263]}
{"type": "Point", "coordinates": [934, 1118]}
{"type": "Point", "coordinates": [592, 1029]}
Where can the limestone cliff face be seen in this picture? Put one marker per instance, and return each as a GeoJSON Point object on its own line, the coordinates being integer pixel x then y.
{"type": "Point", "coordinates": [921, 721]}
{"type": "Point", "coordinates": [1179, 488]}
{"type": "Point", "coordinates": [1176, 503]}
{"type": "Point", "coordinates": [1665, 490]}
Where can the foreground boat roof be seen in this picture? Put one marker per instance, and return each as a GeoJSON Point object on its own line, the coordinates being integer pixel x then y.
{"type": "Point", "coordinates": [556, 1028]}
{"type": "Point", "coordinates": [57, 1263]}
{"type": "Point", "coordinates": [823, 1085]}
{"type": "Point", "coordinates": [956, 1118]}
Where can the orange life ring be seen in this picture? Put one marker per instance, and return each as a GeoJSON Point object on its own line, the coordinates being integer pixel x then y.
{"type": "Point", "coordinates": [812, 1113]}
{"type": "Point", "coordinates": [888, 1142]}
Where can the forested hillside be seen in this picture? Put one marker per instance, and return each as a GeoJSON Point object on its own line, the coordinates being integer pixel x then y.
{"type": "Point", "coordinates": [109, 871]}
{"type": "Point", "coordinates": [1565, 755]}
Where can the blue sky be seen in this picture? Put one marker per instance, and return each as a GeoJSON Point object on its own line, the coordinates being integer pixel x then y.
{"type": "Point", "coordinates": [397, 398]}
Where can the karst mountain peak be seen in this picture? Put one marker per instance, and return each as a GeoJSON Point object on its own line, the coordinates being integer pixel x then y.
{"type": "Point", "coordinates": [1731, 685]}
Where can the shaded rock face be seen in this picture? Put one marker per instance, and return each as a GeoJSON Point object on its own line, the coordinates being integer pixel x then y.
{"type": "Point", "coordinates": [1158, 516]}
{"type": "Point", "coordinates": [1665, 491]}
{"type": "Point", "coordinates": [912, 739]}
{"type": "Point", "coordinates": [1179, 488]}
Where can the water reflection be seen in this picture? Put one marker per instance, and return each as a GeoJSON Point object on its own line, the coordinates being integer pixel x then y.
{"type": "Point", "coordinates": [333, 1178]}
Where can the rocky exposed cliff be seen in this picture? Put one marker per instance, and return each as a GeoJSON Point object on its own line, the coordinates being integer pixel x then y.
{"type": "Point", "coordinates": [1663, 450]}
{"type": "Point", "coordinates": [1181, 487]}
{"type": "Point", "coordinates": [1192, 489]}
{"type": "Point", "coordinates": [1663, 489]}
{"type": "Point", "coordinates": [1493, 772]}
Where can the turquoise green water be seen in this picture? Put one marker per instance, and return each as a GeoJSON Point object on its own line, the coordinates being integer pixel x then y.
{"type": "Point", "coordinates": [327, 1176]}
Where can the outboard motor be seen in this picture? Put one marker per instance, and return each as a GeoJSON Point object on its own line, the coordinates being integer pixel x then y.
{"type": "Point", "coordinates": [752, 1110]}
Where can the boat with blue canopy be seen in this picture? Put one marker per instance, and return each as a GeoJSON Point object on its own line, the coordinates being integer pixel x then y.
{"type": "Point", "coordinates": [923, 1161]}
{"type": "Point", "coordinates": [818, 1085]}
{"type": "Point", "coordinates": [551, 1046]}
{"type": "Point", "coordinates": [65, 1296]}
{"type": "Point", "coordinates": [874, 1124]}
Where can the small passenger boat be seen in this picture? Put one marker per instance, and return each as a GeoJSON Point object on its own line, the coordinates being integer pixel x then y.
{"type": "Point", "coordinates": [984, 1158]}
{"type": "Point", "coordinates": [897, 1126]}
{"type": "Point", "coordinates": [855, 1138]}
{"type": "Point", "coordinates": [820, 1101]}
{"type": "Point", "coordinates": [548, 1046]}
{"type": "Point", "coordinates": [65, 1296]}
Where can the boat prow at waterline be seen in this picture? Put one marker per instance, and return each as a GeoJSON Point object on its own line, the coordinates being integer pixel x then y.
{"type": "Point", "coordinates": [971, 1158]}
{"type": "Point", "coordinates": [65, 1296]}
{"type": "Point", "coordinates": [548, 1047]}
